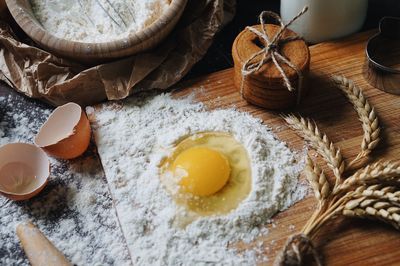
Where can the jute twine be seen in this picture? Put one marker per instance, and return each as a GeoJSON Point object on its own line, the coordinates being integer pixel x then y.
{"type": "Point", "coordinates": [294, 251]}
{"type": "Point", "coordinates": [271, 50]}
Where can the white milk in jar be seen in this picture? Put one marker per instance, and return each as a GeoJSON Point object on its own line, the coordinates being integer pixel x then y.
{"type": "Point", "coordinates": [325, 19]}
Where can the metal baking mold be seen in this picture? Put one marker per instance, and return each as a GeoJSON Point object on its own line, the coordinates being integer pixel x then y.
{"type": "Point", "coordinates": [383, 54]}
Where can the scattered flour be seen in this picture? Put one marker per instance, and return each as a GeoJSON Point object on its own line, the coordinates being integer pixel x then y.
{"type": "Point", "coordinates": [133, 137]}
{"type": "Point", "coordinates": [75, 209]}
{"type": "Point", "coordinates": [96, 20]}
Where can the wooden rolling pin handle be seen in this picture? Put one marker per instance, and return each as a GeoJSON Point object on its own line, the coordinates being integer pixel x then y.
{"type": "Point", "coordinates": [39, 250]}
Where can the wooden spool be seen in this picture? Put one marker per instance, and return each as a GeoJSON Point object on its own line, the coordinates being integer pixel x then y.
{"type": "Point", "coordinates": [136, 42]}
{"type": "Point", "coordinates": [266, 87]}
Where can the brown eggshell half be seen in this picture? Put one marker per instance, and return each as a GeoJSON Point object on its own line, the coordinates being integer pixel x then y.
{"type": "Point", "coordinates": [24, 170]}
{"type": "Point", "coordinates": [66, 134]}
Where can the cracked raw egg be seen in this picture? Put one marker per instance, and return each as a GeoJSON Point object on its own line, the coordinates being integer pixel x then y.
{"type": "Point", "coordinates": [207, 173]}
{"type": "Point", "coordinates": [205, 170]}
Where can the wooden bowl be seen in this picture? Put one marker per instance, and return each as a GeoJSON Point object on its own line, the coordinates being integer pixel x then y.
{"type": "Point", "coordinates": [134, 43]}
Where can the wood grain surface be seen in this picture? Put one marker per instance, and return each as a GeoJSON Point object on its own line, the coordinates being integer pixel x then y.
{"type": "Point", "coordinates": [343, 242]}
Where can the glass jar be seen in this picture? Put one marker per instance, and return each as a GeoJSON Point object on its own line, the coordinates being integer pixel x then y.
{"type": "Point", "coordinates": [325, 19]}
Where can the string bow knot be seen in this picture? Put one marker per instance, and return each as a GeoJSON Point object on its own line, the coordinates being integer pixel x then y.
{"type": "Point", "coordinates": [271, 49]}
{"type": "Point", "coordinates": [295, 250]}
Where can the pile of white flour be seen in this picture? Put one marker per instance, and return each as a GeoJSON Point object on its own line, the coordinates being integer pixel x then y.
{"type": "Point", "coordinates": [133, 137]}
{"type": "Point", "coordinates": [96, 20]}
{"type": "Point", "coordinates": [74, 211]}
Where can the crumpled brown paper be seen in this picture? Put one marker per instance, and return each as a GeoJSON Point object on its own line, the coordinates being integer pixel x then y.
{"type": "Point", "coordinates": [39, 74]}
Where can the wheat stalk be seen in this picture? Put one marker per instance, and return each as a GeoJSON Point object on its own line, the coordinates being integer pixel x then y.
{"type": "Point", "coordinates": [366, 115]}
{"type": "Point", "coordinates": [317, 180]}
{"type": "Point", "coordinates": [371, 192]}
{"type": "Point", "coordinates": [320, 142]}
{"type": "Point", "coordinates": [380, 172]}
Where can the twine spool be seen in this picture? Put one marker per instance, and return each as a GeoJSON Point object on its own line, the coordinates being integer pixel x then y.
{"type": "Point", "coordinates": [266, 87]}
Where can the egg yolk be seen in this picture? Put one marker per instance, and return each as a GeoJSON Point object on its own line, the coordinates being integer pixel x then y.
{"type": "Point", "coordinates": [203, 171]}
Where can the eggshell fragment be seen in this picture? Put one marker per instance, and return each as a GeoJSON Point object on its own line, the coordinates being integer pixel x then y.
{"type": "Point", "coordinates": [66, 134]}
{"type": "Point", "coordinates": [24, 170]}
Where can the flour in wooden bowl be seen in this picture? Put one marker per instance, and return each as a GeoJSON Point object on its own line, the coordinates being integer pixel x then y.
{"type": "Point", "coordinates": [96, 20]}
{"type": "Point", "coordinates": [134, 136]}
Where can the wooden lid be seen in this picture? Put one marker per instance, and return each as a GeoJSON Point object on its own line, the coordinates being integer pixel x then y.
{"type": "Point", "coordinates": [247, 43]}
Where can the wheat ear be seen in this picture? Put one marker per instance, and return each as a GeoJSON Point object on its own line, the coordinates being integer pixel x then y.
{"type": "Point", "coordinates": [317, 180]}
{"type": "Point", "coordinates": [377, 173]}
{"type": "Point", "coordinates": [373, 208]}
{"type": "Point", "coordinates": [320, 142]}
{"type": "Point", "coordinates": [387, 193]}
{"type": "Point", "coordinates": [366, 114]}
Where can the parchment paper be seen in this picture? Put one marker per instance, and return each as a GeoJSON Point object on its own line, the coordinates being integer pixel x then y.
{"type": "Point", "coordinates": [39, 74]}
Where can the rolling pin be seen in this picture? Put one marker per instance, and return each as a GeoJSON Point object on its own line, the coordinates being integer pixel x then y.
{"type": "Point", "coordinates": [39, 250]}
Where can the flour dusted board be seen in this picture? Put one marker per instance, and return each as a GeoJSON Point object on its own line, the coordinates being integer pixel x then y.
{"type": "Point", "coordinates": [354, 241]}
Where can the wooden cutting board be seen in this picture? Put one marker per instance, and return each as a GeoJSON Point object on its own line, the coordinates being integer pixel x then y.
{"type": "Point", "coordinates": [349, 242]}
